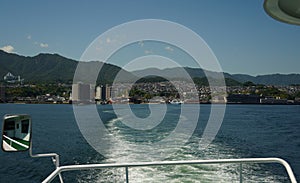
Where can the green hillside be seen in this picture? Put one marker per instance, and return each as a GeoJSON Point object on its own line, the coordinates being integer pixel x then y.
{"type": "Point", "coordinates": [51, 68]}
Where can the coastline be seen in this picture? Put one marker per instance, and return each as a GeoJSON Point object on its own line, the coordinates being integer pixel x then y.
{"type": "Point", "coordinates": [205, 103]}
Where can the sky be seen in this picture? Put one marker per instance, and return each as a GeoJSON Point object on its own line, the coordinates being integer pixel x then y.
{"type": "Point", "coordinates": [241, 35]}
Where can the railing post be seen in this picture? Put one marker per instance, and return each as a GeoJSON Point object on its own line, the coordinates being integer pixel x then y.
{"type": "Point", "coordinates": [55, 159]}
{"type": "Point", "coordinates": [241, 173]}
{"type": "Point", "coordinates": [126, 169]}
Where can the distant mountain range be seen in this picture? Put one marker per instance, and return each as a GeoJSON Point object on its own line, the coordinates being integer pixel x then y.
{"type": "Point", "coordinates": [271, 79]}
{"type": "Point", "coordinates": [56, 68]}
{"type": "Point", "coordinates": [50, 68]}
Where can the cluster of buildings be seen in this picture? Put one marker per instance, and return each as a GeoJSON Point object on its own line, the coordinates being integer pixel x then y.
{"type": "Point", "coordinates": [164, 92]}
{"type": "Point", "coordinates": [120, 93]}
{"type": "Point", "coordinates": [161, 92]}
{"type": "Point", "coordinates": [253, 95]}
{"type": "Point", "coordinates": [10, 78]}
{"type": "Point", "coordinates": [258, 99]}
{"type": "Point", "coordinates": [88, 93]}
{"type": "Point", "coordinates": [156, 92]}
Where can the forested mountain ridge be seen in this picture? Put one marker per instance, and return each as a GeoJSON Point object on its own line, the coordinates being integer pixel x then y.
{"type": "Point", "coordinates": [49, 68]}
{"type": "Point", "coordinates": [55, 68]}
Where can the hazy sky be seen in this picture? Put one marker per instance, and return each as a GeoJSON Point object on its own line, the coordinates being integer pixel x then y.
{"type": "Point", "coordinates": [241, 35]}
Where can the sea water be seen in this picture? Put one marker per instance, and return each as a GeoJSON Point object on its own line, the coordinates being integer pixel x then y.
{"type": "Point", "coordinates": [247, 131]}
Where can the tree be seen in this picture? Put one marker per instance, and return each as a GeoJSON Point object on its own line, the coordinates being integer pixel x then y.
{"type": "Point", "coordinates": [249, 83]}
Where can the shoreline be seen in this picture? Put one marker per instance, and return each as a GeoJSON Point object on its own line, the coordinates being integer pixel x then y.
{"type": "Point", "coordinates": [206, 103]}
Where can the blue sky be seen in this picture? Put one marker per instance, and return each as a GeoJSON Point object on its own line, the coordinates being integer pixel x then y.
{"type": "Point", "coordinates": [242, 36]}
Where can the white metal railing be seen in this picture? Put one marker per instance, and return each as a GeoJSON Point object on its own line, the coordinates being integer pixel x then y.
{"type": "Point", "coordinates": [14, 141]}
{"type": "Point", "coordinates": [61, 169]}
{"type": "Point", "coordinates": [55, 159]}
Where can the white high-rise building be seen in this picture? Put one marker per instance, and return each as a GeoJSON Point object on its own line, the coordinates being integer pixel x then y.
{"type": "Point", "coordinates": [98, 93]}
{"type": "Point", "coordinates": [83, 93]}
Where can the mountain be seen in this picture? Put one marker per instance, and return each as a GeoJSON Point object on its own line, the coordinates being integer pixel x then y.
{"type": "Point", "coordinates": [176, 72]}
{"type": "Point", "coordinates": [51, 68]}
{"type": "Point", "coordinates": [197, 75]}
{"type": "Point", "coordinates": [271, 79]}
{"type": "Point", "coordinates": [55, 68]}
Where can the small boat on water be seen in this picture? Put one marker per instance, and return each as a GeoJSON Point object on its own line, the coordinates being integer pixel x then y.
{"type": "Point", "coordinates": [176, 102]}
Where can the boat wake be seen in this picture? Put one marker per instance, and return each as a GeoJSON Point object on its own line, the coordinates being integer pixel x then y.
{"type": "Point", "coordinates": [127, 150]}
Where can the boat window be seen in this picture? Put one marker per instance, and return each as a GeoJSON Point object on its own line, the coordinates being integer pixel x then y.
{"type": "Point", "coordinates": [25, 126]}
{"type": "Point", "coordinates": [9, 125]}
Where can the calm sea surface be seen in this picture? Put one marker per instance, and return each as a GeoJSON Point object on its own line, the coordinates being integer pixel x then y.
{"type": "Point", "coordinates": [247, 131]}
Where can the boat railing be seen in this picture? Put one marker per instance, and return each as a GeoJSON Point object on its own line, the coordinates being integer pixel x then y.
{"type": "Point", "coordinates": [14, 141]}
{"type": "Point", "coordinates": [287, 167]}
